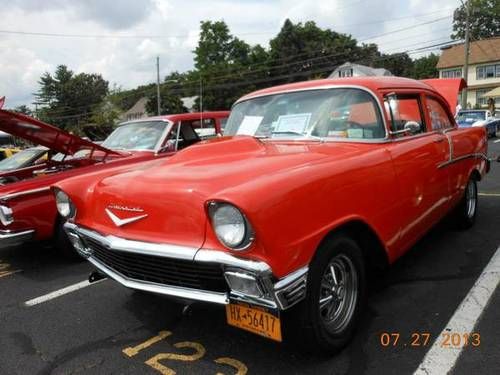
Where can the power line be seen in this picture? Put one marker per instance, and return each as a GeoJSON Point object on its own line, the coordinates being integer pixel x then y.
{"type": "Point", "coordinates": [293, 75]}
{"type": "Point", "coordinates": [240, 75]}
{"type": "Point", "coordinates": [267, 68]}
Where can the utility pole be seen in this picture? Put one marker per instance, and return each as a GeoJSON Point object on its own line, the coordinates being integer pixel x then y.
{"type": "Point", "coordinates": [158, 84]}
{"type": "Point", "coordinates": [466, 48]}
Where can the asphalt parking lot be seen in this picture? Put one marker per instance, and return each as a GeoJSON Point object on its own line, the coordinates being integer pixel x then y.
{"type": "Point", "coordinates": [106, 329]}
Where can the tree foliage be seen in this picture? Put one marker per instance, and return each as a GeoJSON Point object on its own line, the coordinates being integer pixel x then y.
{"type": "Point", "coordinates": [69, 99]}
{"type": "Point", "coordinates": [484, 20]}
{"type": "Point", "coordinates": [225, 68]}
{"type": "Point", "coordinates": [170, 96]}
{"type": "Point", "coordinates": [425, 67]}
{"type": "Point", "coordinates": [23, 109]}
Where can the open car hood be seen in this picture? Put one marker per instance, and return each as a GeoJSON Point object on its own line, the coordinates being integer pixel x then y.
{"type": "Point", "coordinates": [449, 88]}
{"type": "Point", "coordinates": [44, 134]}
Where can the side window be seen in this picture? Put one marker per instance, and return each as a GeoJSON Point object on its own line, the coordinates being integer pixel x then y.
{"type": "Point", "coordinates": [439, 117]}
{"type": "Point", "coordinates": [406, 114]}
{"type": "Point", "coordinates": [205, 129]}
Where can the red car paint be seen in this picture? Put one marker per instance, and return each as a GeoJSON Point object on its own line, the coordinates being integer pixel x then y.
{"type": "Point", "coordinates": [296, 192]}
{"type": "Point", "coordinates": [30, 198]}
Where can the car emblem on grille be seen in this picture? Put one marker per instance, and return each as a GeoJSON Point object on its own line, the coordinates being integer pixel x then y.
{"type": "Point", "coordinates": [120, 222]}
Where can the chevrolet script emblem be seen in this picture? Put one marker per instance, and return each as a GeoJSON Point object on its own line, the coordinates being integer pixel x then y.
{"type": "Point", "coordinates": [120, 222]}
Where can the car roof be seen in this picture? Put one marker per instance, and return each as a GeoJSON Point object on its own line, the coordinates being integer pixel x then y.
{"type": "Point", "coordinates": [183, 116]}
{"type": "Point", "coordinates": [372, 83]}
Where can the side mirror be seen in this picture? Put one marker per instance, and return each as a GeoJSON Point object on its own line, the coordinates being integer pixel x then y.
{"type": "Point", "coordinates": [412, 127]}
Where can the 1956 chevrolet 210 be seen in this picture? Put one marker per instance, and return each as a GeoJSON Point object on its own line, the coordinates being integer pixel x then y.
{"type": "Point", "coordinates": [27, 207]}
{"type": "Point", "coordinates": [314, 184]}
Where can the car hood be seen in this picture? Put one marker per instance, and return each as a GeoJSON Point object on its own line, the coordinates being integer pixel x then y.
{"type": "Point", "coordinates": [173, 195]}
{"type": "Point", "coordinates": [40, 133]}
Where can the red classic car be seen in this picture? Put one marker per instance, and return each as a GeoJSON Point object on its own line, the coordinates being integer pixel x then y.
{"type": "Point", "coordinates": [27, 207]}
{"type": "Point", "coordinates": [315, 183]}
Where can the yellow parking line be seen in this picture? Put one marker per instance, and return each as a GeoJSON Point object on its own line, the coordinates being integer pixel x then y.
{"type": "Point", "coordinates": [8, 273]}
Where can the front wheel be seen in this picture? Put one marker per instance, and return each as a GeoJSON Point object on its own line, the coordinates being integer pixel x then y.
{"type": "Point", "coordinates": [335, 296]}
{"type": "Point", "coordinates": [466, 210]}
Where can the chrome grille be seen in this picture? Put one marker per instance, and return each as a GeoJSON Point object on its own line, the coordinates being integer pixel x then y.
{"type": "Point", "coordinates": [160, 270]}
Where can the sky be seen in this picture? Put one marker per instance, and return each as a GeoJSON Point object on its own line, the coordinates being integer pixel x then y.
{"type": "Point", "coordinates": [120, 39]}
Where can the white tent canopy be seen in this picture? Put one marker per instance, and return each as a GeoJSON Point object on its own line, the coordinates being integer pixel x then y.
{"type": "Point", "coordinates": [495, 93]}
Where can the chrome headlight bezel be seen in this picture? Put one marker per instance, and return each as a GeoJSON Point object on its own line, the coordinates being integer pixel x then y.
{"type": "Point", "coordinates": [6, 217]}
{"type": "Point", "coordinates": [64, 205]}
{"type": "Point", "coordinates": [245, 239]}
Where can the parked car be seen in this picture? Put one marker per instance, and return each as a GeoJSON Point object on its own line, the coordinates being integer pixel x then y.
{"type": "Point", "coordinates": [26, 158]}
{"type": "Point", "coordinates": [7, 152]}
{"type": "Point", "coordinates": [314, 183]}
{"type": "Point", "coordinates": [479, 117]}
{"type": "Point", "coordinates": [27, 207]}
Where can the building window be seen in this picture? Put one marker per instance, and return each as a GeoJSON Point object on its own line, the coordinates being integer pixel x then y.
{"type": "Point", "coordinates": [452, 73]}
{"type": "Point", "coordinates": [488, 71]}
{"type": "Point", "coordinates": [482, 101]}
{"type": "Point", "coordinates": [345, 72]}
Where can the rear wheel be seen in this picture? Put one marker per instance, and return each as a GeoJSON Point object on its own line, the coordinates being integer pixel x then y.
{"type": "Point", "coordinates": [325, 321]}
{"type": "Point", "coordinates": [466, 210]}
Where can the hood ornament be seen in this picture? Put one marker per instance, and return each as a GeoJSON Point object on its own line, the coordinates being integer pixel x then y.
{"type": "Point", "coordinates": [120, 222]}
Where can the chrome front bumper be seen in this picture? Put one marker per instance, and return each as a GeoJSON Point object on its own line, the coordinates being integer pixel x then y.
{"type": "Point", "coordinates": [277, 294]}
{"type": "Point", "coordinates": [11, 238]}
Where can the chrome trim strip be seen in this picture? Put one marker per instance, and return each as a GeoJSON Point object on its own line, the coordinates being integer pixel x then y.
{"type": "Point", "coordinates": [291, 277]}
{"type": "Point", "coordinates": [464, 157]}
{"type": "Point", "coordinates": [173, 291]}
{"type": "Point", "coordinates": [10, 238]}
{"type": "Point", "coordinates": [137, 247]}
{"type": "Point", "coordinates": [216, 256]}
{"type": "Point", "coordinates": [274, 294]}
{"type": "Point", "coordinates": [23, 193]}
{"type": "Point", "coordinates": [291, 289]}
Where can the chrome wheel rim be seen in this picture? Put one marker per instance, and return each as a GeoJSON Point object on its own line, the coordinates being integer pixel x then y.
{"type": "Point", "coordinates": [471, 199]}
{"type": "Point", "coordinates": [338, 293]}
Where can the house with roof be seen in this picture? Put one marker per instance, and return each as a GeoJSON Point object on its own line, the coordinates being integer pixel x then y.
{"type": "Point", "coordinates": [137, 111]}
{"type": "Point", "coordinates": [483, 74]}
{"type": "Point", "coordinates": [349, 69]}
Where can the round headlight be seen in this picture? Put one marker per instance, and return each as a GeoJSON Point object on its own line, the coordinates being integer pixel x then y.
{"type": "Point", "coordinates": [230, 226]}
{"type": "Point", "coordinates": [64, 205]}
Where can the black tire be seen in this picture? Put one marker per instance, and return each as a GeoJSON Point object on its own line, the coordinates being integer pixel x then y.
{"type": "Point", "coordinates": [307, 324]}
{"type": "Point", "coordinates": [466, 211]}
{"type": "Point", "coordinates": [63, 244]}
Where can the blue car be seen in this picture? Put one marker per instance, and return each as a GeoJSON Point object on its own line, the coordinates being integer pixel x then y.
{"type": "Point", "coordinates": [479, 117]}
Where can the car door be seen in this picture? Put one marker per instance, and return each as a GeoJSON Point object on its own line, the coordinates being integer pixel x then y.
{"type": "Point", "coordinates": [417, 152]}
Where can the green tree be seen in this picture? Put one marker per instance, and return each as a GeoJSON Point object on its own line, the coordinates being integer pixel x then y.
{"type": "Point", "coordinates": [399, 64]}
{"type": "Point", "coordinates": [484, 20]}
{"type": "Point", "coordinates": [302, 51]}
{"type": "Point", "coordinates": [425, 67]}
{"type": "Point", "coordinates": [24, 109]}
{"type": "Point", "coordinates": [67, 99]}
{"type": "Point", "coordinates": [226, 67]}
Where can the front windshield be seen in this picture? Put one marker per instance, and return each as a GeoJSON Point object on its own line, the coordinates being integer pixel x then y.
{"type": "Point", "coordinates": [471, 116]}
{"type": "Point", "coordinates": [327, 113]}
{"type": "Point", "coordinates": [19, 160]}
{"type": "Point", "coordinates": [143, 135]}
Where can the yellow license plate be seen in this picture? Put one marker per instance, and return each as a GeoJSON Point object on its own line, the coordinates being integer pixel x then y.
{"type": "Point", "coordinates": [254, 319]}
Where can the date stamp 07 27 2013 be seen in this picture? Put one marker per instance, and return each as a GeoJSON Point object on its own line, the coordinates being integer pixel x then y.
{"type": "Point", "coordinates": [420, 339]}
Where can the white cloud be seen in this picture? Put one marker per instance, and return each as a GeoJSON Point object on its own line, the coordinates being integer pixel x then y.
{"type": "Point", "coordinates": [131, 61]}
